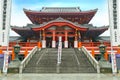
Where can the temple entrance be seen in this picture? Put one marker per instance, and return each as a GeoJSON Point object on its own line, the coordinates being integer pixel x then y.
{"type": "Point", "coordinates": [70, 42]}
{"type": "Point", "coordinates": [68, 32]}
{"type": "Point", "coordinates": [49, 42]}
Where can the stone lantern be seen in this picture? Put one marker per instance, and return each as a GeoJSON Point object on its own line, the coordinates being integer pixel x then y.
{"type": "Point", "coordinates": [102, 49]}
{"type": "Point", "coordinates": [16, 50]}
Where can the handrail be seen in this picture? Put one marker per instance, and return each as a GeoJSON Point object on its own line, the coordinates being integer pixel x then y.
{"type": "Point", "coordinates": [27, 59]}
{"type": "Point", "coordinates": [91, 59]}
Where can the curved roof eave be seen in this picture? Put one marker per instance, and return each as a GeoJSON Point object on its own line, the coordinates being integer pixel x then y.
{"type": "Point", "coordinates": [39, 12]}
{"type": "Point", "coordinates": [30, 14]}
{"type": "Point", "coordinates": [23, 31]}
{"type": "Point", "coordinates": [59, 20]}
{"type": "Point", "coordinates": [98, 28]}
{"type": "Point", "coordinates": [21, 28]}
{"type": "Point", "coordinates": [94, 32]}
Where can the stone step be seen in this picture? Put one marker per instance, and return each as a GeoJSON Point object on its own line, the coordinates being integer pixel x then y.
{"type": "Point", "coordinates": [73, 61]}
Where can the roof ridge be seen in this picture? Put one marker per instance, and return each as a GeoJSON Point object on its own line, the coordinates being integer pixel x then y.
{"type": "Point", "coordinates": [60, 9]}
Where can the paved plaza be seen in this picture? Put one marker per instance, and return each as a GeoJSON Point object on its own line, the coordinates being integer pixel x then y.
{"type": "Point", "coordinates": [60, 77]}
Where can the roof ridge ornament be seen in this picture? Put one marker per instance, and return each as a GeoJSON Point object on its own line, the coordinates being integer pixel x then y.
{"type": "Point", "coordinates": [60, 18]}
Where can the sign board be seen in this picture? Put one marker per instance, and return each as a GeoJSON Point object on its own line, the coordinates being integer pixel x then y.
{"type": "Point", "coordinates": [118, 61]}
{"type": "Point", "coordinates": [114, 21]}
{"type": "Point", "coordinates": [114, 66]}
{"type": "Point", "coordinates": [1, 60]}
{"type": "Point", "coordinates": [59, 50]}
{"type": "Point", "coordinates": [5, 17]}
{"type": "Point", "coordinates": [5, 66]}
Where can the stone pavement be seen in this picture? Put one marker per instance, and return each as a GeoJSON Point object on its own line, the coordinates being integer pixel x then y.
{"type": "Point", "coordinates": [60, 77]}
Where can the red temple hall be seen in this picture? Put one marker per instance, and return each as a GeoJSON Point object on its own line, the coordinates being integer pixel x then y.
{"type": "Point", "coordinates": [69, 23]}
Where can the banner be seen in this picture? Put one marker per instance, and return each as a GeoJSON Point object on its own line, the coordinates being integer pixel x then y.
{"type": "Point", "coordinates": [5, 65]}
{"type": "Point", "coordinates": [1, 60]}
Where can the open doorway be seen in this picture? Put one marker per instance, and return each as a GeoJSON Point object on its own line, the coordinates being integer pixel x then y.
{"type": "Point", "coordinates": [71, 42]}
{"type": "Point", "coordinates": [49, 42]}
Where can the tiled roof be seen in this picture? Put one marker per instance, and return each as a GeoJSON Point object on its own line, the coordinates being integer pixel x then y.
{"type": "Point", "coordinates": [60, 9]}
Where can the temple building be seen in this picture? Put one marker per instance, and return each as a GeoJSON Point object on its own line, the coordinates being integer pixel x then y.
{"type": "Point", "coordinates": [50, 23]}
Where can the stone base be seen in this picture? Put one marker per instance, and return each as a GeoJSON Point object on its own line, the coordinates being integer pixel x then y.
{"type": "Point", "coordinates": [66, 44]}
{"type": "Point", "coordinates": [53, 44]}
{"type": "Point", "coordinates": [43, 43]}
{"type": "Point", "coordinates": [105, 67]}
{"type": "Point", "coordinates": [14, 66]}
{"type": "Point", "coordinates": [75, 44]}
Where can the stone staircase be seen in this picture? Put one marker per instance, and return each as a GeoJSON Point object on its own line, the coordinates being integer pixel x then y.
{"type": "Point", "coordinates": [74, 61]}
{"type": "Point", "coordinates": [45, 61]}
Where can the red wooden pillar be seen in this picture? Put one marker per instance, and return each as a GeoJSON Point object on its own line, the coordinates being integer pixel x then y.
{"type": "Point", "coordinates": [66, 40]}
{"type": "Point", "coordinates": [39, 42]}
{"type": "Point", "coordinates": [93, 52]}
{"type": "Point", "coordinates": [106, 55]}
{"type": "Point", "coordinates": [1, 52]}
{"type": "Point", "coordinates": [13, 54]}
{"type": "Point", "coordinates": [53, 40]}
{"type": "Point", "coordinates": [79, 43]}
{"type": "Point", "coordinates": [40, 35]}
{"type": "Point", "coordinates": [43, 34]}
{"type": "Point", "coordinates": [66, 36]}
{"type": "Point", "coordinates": [76, 40]}
{"type": "Point", "coordinates": [44, 40]}
{"type": "Point", "coordinates": [75, 36]}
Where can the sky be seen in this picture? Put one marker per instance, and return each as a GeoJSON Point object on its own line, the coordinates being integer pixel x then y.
{"type": "Point", "coordinates": [18, 17]}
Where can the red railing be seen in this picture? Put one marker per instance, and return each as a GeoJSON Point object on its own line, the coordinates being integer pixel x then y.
{"type": "Point", "coordinates": [32, 44]}
{"type": "Point", "coordinates": [95, 51]}
{"type": "Point", "coordinates": [24, 44]}
{"type": "Point", "coordinates": [94, 44]}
